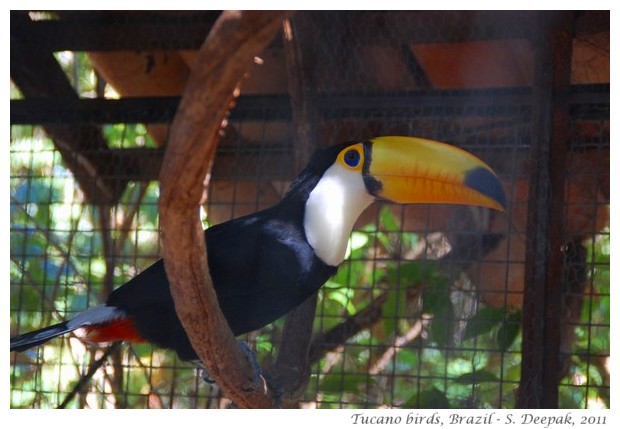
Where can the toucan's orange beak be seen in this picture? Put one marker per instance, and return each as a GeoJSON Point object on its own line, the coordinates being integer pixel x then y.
{"type": "Point", "coordinates": [415, 170]}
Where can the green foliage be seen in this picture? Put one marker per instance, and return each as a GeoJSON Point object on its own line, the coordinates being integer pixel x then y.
{"type": "Point", "coordinates": [477, 377]}
{"type": "Point", "coordinates": [587, 383]}
{"type": "Point", "coordinates": [128, 136]}
{"type": "Point", "coordinates": [79, 71]}
{"type": "Point", "coordinates": [480, 369]}
{"type": "Point", "coordinates": [483, 322]}
{"type": "Point", "coordinates": [58, 268]}
{"type": "Point", "coordinates": [508, 331]}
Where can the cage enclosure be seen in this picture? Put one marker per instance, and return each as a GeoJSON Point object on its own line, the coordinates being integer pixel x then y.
{"type": "Point", "coordinates": [436, 306]}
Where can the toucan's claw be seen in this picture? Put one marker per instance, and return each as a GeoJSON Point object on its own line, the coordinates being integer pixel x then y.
{"type": "Point", "coordinates": [202, 371]}
{"type": "Point", "coordinates": [272, 386]}
{"type": "Point", "coordinates": [257, 371]}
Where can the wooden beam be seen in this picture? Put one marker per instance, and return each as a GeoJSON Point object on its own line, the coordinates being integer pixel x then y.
{"type": "Point", "coordinates": [106, 31]}
{"type": "Point", "coordinates": [586, 101]}
{"type": "Point", "coordinates": [117, 31]}
{"type": "Point", "coordinates": [542, 306]}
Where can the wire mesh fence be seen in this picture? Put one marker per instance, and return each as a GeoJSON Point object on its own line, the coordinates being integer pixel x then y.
{"type": "Point", "coordinates": [427, 309]}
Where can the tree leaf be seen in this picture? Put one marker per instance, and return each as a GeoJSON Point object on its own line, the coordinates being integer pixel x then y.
{"type": "Point", "coordinates": [435, 300]}
{"type": "Point", "coordinates": [508, 331]}
{"type": "Point", "coordinates": [476, 377]}
{"type": "Point", "coordinates": [428, 399]}
{"type": "Point", "coordinates": [339, 383]}
{"type": "Point", "coordinates": [387, 220]}
{"type": "Point", "coordinates": [394, 308]}
{"type": "Point", "coordinates": [483, 322]}
{"type": "Point", "coordinates": [442, 326]}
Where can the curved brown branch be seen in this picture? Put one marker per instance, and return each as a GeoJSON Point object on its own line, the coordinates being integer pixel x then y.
{"type": "Point", "coordinates": [224, 57]}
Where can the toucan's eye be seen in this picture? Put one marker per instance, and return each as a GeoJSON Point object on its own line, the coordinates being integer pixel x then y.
{"type": "Point", "coordinates": [352, 157]}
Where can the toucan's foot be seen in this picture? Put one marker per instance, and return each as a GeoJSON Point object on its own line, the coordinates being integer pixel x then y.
{"type": "Point", "coordinates": [257, 370]}
{"type": "Point", "coordinates": [260, 377]}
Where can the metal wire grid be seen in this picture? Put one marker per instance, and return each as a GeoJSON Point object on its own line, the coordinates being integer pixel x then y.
{"type": "Point", "coordinates": [407, 366]}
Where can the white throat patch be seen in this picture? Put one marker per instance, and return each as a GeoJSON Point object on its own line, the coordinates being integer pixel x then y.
{"type": "Point", "coordinates": [331, 211]}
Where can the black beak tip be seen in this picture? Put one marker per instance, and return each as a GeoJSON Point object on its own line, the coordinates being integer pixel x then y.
{"type": "Point", "coordinates": [484, 181]}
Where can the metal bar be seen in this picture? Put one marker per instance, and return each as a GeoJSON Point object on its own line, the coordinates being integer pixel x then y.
{"type": "Point", "coordinates": [592, 99]}
{"type": "Point", "coordinates": [94, 110]}
{"type": "Point", "coordinates": [543, 276]}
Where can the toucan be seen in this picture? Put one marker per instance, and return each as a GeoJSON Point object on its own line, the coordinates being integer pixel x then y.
{"type": "Point", "coordinates": [265, 264]}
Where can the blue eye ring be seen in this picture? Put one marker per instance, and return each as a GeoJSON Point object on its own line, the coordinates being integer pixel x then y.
{"type": "Point", "coordinates": [352, 158]}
